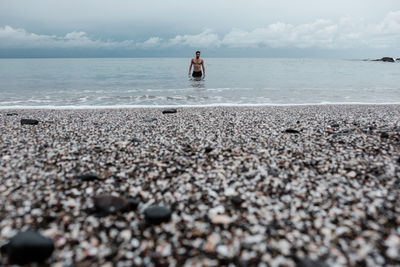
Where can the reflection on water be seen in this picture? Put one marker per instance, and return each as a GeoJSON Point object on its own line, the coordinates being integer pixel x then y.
{"type": "Point", "coordinates": [197, 82]}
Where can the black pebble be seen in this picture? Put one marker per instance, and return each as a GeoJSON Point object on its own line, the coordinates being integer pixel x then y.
{"type": "Point", "coordinates": [384, 135]}
{"type": "Point", "coordinates": [292, 131]}
{"type": "Point", "coordinates": [108, 204]}
{"type": "Point", "coordinates": [133, 203]}
{"type": "Point", "coordinates": [169, 111]}
{"type": "Point", "coordinates": [29, 122]}
{"type": "Point", "coordinates": [310, 263]}
{"type": "Point", "coordinates": [28, 247]}
{"type": "Point", "coordinates": [88, 177]}
{"type": "Point", "coordinates": [208, 149]}
{"type": "Point", "coordinates": [157, 214]}
{"type": "Point", "coordinates": [97, 149]}
{"type": "Point", "coordinates": [136, 140]}
{"type": "Point", "coordinates": [237, 201]}
{"type": "Point", "coordinates": [149, 119]}
{"type": "Point", "coordinates": [12, 114]}
{"type": "Point", "coordinates": [335, 125]}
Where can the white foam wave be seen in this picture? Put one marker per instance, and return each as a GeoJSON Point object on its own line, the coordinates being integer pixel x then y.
{"type": "Point", "coordinates": [324, 103]}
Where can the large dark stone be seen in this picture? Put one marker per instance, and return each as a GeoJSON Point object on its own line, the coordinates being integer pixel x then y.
{"type": "Point", "coordinates": [386, 59]}
{"type": "Point", "coordinates": [310, 263]}
{"type": "Point", "coordinates": [169, 111]}
{"type": "Point", "coordinates": [157, 214]}
{"type": "Point", "coordinates": [12, 114]}
{"type": "Point", "coordinates": [88, 177]}
{"type": "Point", "coordinates": [108, 204]}
{"type": "Point", "coordinates": [28, 247]}
{"type": "Point", "coordinates": [29, 122]}
{"type": "Point", "coordinates": [292, 131]}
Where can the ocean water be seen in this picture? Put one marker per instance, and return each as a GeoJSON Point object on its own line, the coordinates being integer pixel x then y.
{"type": "Point", "coordinates": [125, 82]}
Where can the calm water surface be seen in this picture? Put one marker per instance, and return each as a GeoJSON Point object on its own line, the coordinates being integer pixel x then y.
{"type": "Point", "coordinates": [164, 81]}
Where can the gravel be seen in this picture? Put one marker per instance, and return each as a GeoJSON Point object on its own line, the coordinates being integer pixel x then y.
{"type": "Point", "coordinates": [264, 186]}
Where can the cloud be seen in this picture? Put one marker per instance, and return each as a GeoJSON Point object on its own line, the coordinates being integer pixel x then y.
{"type": "Point", "coordinates": [151, 42]}
{"type": "Point", "coordinates": [207, 38]}
{"type": "Point", "coordinates": [342, 34]}
{"type": "Point", "coordinates": [20, 38]}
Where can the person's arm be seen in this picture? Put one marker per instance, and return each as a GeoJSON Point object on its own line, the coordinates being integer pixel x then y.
{"type": "Point", "coordinates": [204, 69]}
{"type": "Point", "coordinates": [190, 67]}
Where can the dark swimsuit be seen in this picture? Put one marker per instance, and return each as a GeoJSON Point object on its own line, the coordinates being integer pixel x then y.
{"type": "Point", "coordinates": [197, 74]}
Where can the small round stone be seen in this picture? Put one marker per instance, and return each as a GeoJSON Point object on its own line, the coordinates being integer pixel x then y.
{"type": "Point", "coordinates": [88, 177]}
{"type": "Point", "coordinates": [157, 214]}
{"type": "Point", "coordinates": [111, 204]}
{"type": "Point", "coordinates": [384, 135]}
{"type": "Point", "coordinates": [237, 201]}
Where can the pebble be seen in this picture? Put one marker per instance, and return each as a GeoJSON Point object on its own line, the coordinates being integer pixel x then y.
{"type": "Point", "coordinates": [28, 247]}
{"type": "Point", "coordinates": [221, 219]}
{"type": "Point", "coordinates": [12, 114]}
{"type": "Point", "coordinates": [136, 140]}
{"type": "Point", "coordinates": [310, 263]}
{"type": "Point", "coordinates": [111, 204]}
{"type": "Point", "coordinates": [292, 131]}
{"type": "Point", "coordinates": [237, 201]}
{"type": "Point", "coordinates": [384, 135]}
{"type": "Point", "coordinates": [169, 111]}
{"type": "Point", "coordinates": [29, 122]}
{"type": "Point", "coordinates": [149, 119]}
{"type": "Point", "coordinates": [157, 214]}
{"type": "Point", "coordinates": [87, 177]}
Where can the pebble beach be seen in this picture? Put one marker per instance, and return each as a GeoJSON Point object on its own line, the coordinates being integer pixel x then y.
{"type": "Point", "coordinates": [204, 186]}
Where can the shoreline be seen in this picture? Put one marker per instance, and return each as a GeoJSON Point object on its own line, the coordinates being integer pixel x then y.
{"type": "Point", "coordinates": [113, 107]}
{"type": "Point", "coordinates": [246, 185]}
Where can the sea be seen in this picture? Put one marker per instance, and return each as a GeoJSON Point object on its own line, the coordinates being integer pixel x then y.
{"type": "Point", "coordinates": [144, 82]}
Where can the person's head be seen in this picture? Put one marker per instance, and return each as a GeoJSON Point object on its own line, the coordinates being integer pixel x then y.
{"type": "Point", "coordinates": [197, 54]}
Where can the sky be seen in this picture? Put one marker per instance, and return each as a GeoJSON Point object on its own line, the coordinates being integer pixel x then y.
{"type": "Point", "coordinates": [219, 28]}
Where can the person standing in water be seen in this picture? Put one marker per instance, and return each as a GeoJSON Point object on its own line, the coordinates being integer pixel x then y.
{"type": "Point", "coordinates": [198, 64]}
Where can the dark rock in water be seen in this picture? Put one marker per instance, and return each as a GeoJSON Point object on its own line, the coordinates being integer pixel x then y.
{"type": "Point", "coordinates": [88, 177]}
{"type": "Point", "coordinates": [157, 214]}
{"type": "Point", "coordinates": [385, 59]}
{"type": "Point", "coordinates": [29, 122]}
{"type": "Point", "coordinates": [237, 201]}
{"type": "Point", "coordinates": [136, 140]}
{"type": "Point", "coordinates": [12, 114]}
{"type": "Point", "coordinates": [110, 204]}
{"type": "Point", "coordinates": [149, 119]}
{"type": "Point", "coordinates": [28, 247]}
{"type": "Point", "coordinates": [384, 135]}
{"type": "Point", "coordinates": [169, 111]}
{"type": "Point", "coordinates": [291, 131]}
{"type": "Point", "coordinates": [310, 263]}
{"type": "Point", "coordinates": [398, 59]}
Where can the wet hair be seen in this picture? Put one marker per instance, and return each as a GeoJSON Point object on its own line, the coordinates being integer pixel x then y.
{"type": "Point", "coordinates": [197, 52]}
